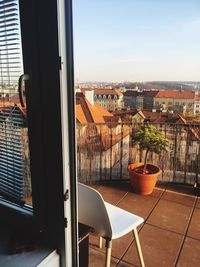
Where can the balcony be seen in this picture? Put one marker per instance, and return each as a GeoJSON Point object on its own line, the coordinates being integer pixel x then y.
{"type": "Point", "coordinates": [170, 235]}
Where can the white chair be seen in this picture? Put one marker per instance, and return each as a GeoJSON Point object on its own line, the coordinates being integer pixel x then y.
{"type": "Point", "coordinates": [108, 221]}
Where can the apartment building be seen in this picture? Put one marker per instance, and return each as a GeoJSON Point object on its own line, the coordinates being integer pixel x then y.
{"type": "Point", "coordinates": [197, 104]}
{"type": "Point", "coordinates": [109, 99]}
{"type": "Point", "coordinates": [180, 101]}
{"type": "Point", "coordinates": [139, 99]}
{"type": "Point", "coordinates": [130, 99]}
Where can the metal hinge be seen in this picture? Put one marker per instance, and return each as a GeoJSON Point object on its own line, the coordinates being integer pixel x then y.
{"type": "Point", "coordinates": [66, 195]}
{"type": "Point", "coordinates": [65, 222]}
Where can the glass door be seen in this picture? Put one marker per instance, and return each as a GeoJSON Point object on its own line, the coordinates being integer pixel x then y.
{"type": "Point", "coordinates": [15, 178]}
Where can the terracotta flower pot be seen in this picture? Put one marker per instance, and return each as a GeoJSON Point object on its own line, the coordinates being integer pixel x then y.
{"type": "Point", "coordinates": [143, 183]}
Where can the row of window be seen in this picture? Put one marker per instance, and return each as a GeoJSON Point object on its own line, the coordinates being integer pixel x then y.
{"type": "Point", "coordinates": [104, 97]}
{"type": "Point", "coordinates": [171, 103]}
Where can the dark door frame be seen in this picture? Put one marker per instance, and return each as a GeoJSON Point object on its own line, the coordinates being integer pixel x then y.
{"type": "Point", "coordinates": [40, 43]}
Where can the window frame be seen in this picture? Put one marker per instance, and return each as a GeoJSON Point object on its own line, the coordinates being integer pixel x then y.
{"type": "Point", "coordinates": [12, 122]}
{"type": "Point", "coordinates": [44, 65]}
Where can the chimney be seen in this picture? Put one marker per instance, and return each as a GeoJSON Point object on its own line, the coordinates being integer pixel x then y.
{"type": "Point", "coordinates": [90, 96]}
{"type": "Point", "coordinates": [77, 90]}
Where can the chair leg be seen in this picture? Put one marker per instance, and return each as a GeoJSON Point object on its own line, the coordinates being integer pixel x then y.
{"type": "Point", "coordinates": [100, 242]}
{"type": "Point", "coordinates": [108, 252]}
{"type": "Point", "coordinates": [138, 247]}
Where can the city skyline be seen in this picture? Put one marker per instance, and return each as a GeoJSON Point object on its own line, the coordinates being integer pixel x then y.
{"type": "Point", "coordinates": [136, 40]}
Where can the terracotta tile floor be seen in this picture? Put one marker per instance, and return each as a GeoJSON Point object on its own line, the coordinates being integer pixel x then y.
{"type": "Point", "coordinates": [170, 235]}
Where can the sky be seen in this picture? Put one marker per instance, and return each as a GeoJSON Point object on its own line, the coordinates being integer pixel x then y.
{"type": "Point", "coordinates": [136, 40]}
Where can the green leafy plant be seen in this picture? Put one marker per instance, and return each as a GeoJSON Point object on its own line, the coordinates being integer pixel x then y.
{"type": "Point", "coordinates": [150, 139]}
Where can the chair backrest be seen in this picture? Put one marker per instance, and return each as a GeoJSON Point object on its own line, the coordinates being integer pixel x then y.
{"type": "Point", "coordinates": [92, 211]}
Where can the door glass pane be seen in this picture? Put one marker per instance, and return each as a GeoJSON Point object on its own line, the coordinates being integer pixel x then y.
{"type": "Point", "coordinates": [15, 182]}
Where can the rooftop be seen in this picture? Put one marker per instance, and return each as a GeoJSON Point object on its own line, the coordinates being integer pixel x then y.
{"type": "Point", "coordinates": [175, 94]}
{"type": "Point", "coordinates": [102, 91]}
{"type": "Point", "coordinates": [164, 94]}
{"type": "Point", "coordinates": [170, 235]}
{"type": "Point", "coordinates": [163, 117]}
{"type": "Point", "coordinates": [149, 93]}
{"type": "Point", "coordinates": [85, 112]}
{"type": "Point", "coordinates": [155, 116]}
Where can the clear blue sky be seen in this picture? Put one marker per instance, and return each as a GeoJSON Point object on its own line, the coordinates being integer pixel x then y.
{"type": "Point", "coordinates": [137, 40]}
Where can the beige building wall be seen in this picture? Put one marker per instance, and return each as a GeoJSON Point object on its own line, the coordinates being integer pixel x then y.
{"type": "Point", "coordinates": [175, 104]}
{"type": "Point", "coordinates": [109, 102]}
{"type": "Point", "coordinates": [197, 107]}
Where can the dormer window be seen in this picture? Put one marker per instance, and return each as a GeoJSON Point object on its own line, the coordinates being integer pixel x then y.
{"type": "Point", "coordinates": [115, 97]}
{"type": "Point", "coordinates": [104, 96]}
{"type": "Point", "coordinates": [109, 96]}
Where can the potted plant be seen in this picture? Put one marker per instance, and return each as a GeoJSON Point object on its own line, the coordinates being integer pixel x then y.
{"type": "Point", "coordinates": [143, 176]}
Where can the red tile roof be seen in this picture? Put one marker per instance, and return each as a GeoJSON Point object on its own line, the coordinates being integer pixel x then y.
{"type": "Point", "coordinates": [15, 99]}
{"type": "Point", "coordinates": [103, 91]}
{"type": "Point", "coordinates": [124, 112]}
{"type": "Point", "coordinates": [80, 116]}
{"type": "Point", "coordinates": [86, 113]}
{"type": "Point", "coordinates": [5, 104]}
{"type": "Point", "coordinates": [151, 93]}
{"type": "Point", "coordinates": [162, 117]}
{"type": "Point", "coordinates": [108, 92]}
{"type": "Point", "coordinates": [131, 93]}
{"type": "Point", "coordinates": [155, 117]}
{"type": "Point", "coordinates": [175, 94]}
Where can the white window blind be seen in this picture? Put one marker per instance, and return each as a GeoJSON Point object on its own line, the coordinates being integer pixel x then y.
{"type": "Point", "coordinates": [14, 154]}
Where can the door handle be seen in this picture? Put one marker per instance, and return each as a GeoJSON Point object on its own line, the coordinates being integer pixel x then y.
{"type": "Point", "coordinates": [21, 88]}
